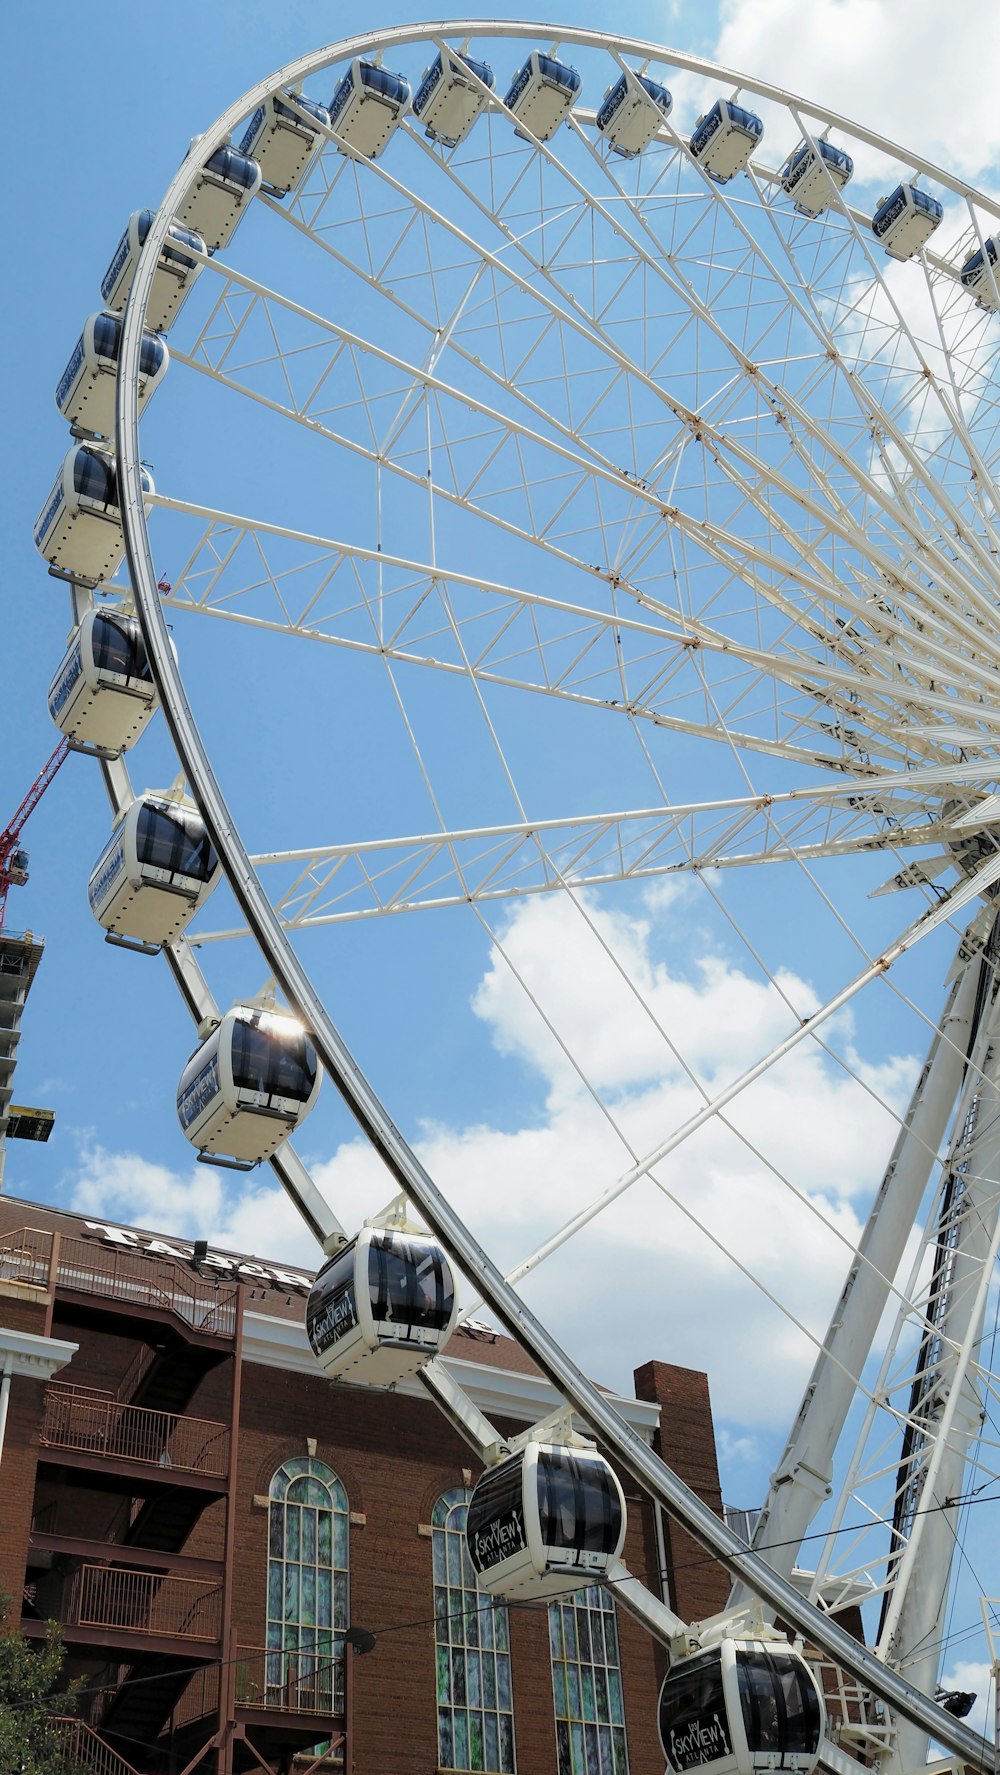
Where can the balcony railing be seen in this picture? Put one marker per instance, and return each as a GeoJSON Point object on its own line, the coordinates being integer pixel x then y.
{"type": "Point", "coordinates": [289, 1682]}
{"type": "Point", "coordinates": [144, 1602]}
{"type": "Point", "coordinates": [279, 1682]}
{"type": "Point", "coordinates": [83, 1749]}
{"type": "Point", "coordinates": [116, 1273]}
{"type": "Point", "coordinates": [25, 1257]}
{"type": "Point", "coordinates": [97, 1423]}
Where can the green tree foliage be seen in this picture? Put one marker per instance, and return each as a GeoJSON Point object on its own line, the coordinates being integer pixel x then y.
{"type": "Point", "coordinates": [30, 1702]}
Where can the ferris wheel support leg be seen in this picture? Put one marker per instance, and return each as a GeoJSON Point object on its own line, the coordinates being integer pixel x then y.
{"type": "Point", "coordinates": [803, 1478]}
{"type": "Point", "coordinates": [946, 1408]}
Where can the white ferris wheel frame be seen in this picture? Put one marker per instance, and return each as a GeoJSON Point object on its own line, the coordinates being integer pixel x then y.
{"type": "Point", "coordinates": [270, 930]}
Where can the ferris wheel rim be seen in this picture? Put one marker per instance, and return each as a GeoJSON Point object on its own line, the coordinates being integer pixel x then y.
{"type": "Point", "coordinates": [269, 936]}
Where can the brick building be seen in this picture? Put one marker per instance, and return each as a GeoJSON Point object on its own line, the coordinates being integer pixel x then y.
{"type": "Point", "coordinates": [208, 1517]}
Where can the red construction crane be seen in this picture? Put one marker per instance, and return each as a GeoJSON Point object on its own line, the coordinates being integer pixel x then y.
{"type": "Point", "coordinates": [13, 859]}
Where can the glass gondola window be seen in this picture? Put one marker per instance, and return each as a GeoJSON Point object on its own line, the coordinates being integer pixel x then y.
{"type": "Point", "coordinates": [587, 1685]}
{"type": "Point", "coordinates": [307, 1586]}
{"type": "Point", "coordinates": [175, 840]}
{"type": "Point", "coordinates": [119, 647]}
{"type": "Point", "coordinates": [472, 1635]}
{"type": "Point", "coordinates": [94, 477]}
{"type": "Point", "coordinates": [284, 1067]}
{"type": "Point", "coordinates": [781, 1710]}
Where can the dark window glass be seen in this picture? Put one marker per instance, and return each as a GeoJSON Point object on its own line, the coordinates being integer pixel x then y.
{"type": "Point", "coordinates": [310, 106]}
{"type": "Point", "coordinates": [482, 70]}
{"type": "Point", "coordinates": [107, 343]}
{"type": "Point", "coordinates": [578, 1504]}
{"type": "Point", "coordinates": [107, 333]}
{"type": "Point", "coordinates": [380, 80]}
{"type": "Point", "coordinates": [559, 74]}
{"type": "Point", "coordinates": [269, 1060]}
{"type": "Point", "coordinates": [230, 164]}
{"type": "Point", "coordinates": [175, 840]}
{"type": "Point", "coordinates": [780, 1705]}
{"type": "Point", "coordinates": [409, 1282]}
{"type": "Point", "coordinates": [119, 647]}
{"type": "Point", "coordinates": [94, 477]}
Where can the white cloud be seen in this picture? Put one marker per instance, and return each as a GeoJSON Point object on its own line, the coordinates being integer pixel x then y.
{"type": "Point", "coordinates": [880, 67]}
{"type": "Point", "coordinates": [643, 1280]}
{"type": "Point", "coordinates": [255, 1218]}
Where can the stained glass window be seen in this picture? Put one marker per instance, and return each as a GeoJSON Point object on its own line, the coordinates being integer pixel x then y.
{"type": "Point", "coordinates": [307, 1586]}
{"type": "Point", "coordinates": [472, 1637]}
{"type": "Point", "coordinates": [587, 1685]}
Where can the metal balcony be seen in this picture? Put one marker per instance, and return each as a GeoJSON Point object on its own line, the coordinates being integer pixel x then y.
{"type": "Point", "coordinates": [120, 1275]}
{"type": "Point", "coordinates": [149, 1603]}
{"type": "Point", "coordinates": [94, 1422]}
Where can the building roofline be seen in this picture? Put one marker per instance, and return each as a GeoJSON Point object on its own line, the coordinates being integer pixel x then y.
{"type": "Point", "coordinates": [499, 1392]}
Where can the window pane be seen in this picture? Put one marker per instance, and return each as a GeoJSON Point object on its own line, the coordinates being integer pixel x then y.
{"type": "Point", "coordinates": [443, 1674]}
{"type": "Point", "coordinates": [586, 1686]}
{"type": "Point", "coordinates": [473, 1678]}
{"type": "Point", "coordinates": [445, 1739]}
{"type": "Point", "coordinates": [307, 1595]}
{"type": "Point", "coordinates": [475, 1741]}
{"type": "Point", "coordinates": [292, 1531]}
{"type": "Point", "coordinates": [475, 1717]}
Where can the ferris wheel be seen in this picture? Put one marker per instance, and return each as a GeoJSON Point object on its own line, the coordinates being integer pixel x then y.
{"type": "Point", "coordinates": [591, 473]}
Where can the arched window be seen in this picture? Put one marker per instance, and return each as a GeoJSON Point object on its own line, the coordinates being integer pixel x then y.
{"type": "Point", "coordinates": [307, 1586]}
{"type": "Point", "coordinates": [472, 1636]}
{"type": "Point", "coordinates": [587, 1685]}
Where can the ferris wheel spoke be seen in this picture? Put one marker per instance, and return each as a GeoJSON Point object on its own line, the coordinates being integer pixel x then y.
{"type": "Point", "coordinates": [937, 608]}
{"type": "Point", "coordinates": [241, 570]}
{"type": "Point", "coordinates": [781, 401]}
{"type": "Point", "coordinates": [333, 883]}
{"type": "Point", "coordinates": [478, 361]}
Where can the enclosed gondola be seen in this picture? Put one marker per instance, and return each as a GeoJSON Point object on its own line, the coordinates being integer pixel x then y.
{"type": "Point", "coordinates": [813, 175]}
{"type": "Point", "coordinates": [382, 1307]}
{"type": "Point", "coordinates": [905, 220]}
{"type": "Point", "coordinates": [248, 1086]}
{"type": "Point", "coordinates": [448, 101]}
{"type": "Point", "coordinates": [175, 274]}
{"type": "Point", "coordinates": [158, 867]}
{"type": "Point", "coordinates": [981, 275]}
{"type": "Point", "coordinates": [632, 112]}
{"type": "Point", "coordinates": [551, 1518]}
{"type": "Point", "coordinates": [86, 392]}
{"type": "Point", "coordinates": [724, 139]}
{"type": "Point", "coordinates": [743, 1706]}
{"type": "Point", "coordinates": [368, 103]}
{"type": "Point", "coordinates": [281, 139]}
{"type": "Point", "coordinates": [79, 528]}
{"type": "Point", "coordinates": [541, 94]}
{"type": "Point", "coordinates": [103, 693]}
{"type": "Point", "coordinates": [219, 198]}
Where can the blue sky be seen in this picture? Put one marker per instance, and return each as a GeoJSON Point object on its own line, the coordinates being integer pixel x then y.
{"type": "Point", "coordinates": [427, 1004]}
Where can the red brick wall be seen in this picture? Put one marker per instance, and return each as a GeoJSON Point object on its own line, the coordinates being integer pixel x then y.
{"type": "Point", "coordinates": [698, 1585]}
{"type": "Point", "coordinates": [395, 1456]}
